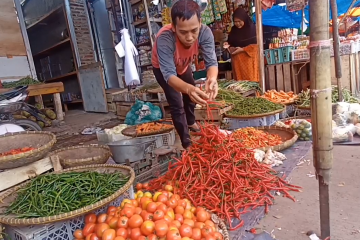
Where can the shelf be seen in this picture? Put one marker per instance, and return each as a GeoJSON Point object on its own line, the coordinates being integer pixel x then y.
{"type": "Point", "coordinates": [152, 19]}
{"type": "Point", "coordinates": [52, 47]}
{"type": "Point", "coordinates": [132, 2]}
{"type": "Point", "coordinates": [75, 101]}
{"type": "Point", "coordinates": [142, 21]}
{"type": "Point", "coordinates": [44, 17]}
{"type": "Point", "coordinates": [61, 77]}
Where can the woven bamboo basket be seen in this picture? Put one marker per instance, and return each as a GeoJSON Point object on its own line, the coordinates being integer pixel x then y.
{"type": "Point", "coordinates": [41, 141]}
{"type": "Point", "coordinates": [131, 132]}
{"type": "Point", "coordinates": [256, 115]}
{"type": "Point", "coordinates": [82, 155]}
{"type": "Point", "coordinates": [303, 108]}
{"type": "Point", "coordinates": [9, 196]}
{"type": "Point", "coordinates": [288, 137]}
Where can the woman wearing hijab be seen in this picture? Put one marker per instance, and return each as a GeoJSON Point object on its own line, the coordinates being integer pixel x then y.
{"type": "Point", "coordinates": [242, 46]}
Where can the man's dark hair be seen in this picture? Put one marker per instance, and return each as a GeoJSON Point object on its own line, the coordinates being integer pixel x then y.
{"type": "Point", "coordinates": [184, 10]}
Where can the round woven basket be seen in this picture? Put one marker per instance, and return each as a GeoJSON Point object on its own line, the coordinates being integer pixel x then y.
{"type": "Point", "coordinates": [256, 115]}
{"type": "Point", "coordinates": [288, 137]}
{"type": "Point", "coordinates": [41, 141]}
{"type": "Point", "coordinates": [222, 226]}
{"type": "Point", "coordinates": [131, 132]}
{"type": "Point", "coordinates": [303, 108]}
{"type": "Point", "coordinates": [156, 90]}
{"type": "Point", "coordinates": [9, 196]}
{"type": "Point", "coordinates": [82, 155]}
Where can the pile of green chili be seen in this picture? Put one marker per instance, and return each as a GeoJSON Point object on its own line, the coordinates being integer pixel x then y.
{"type": "Point", "coordinates": [247, 106]}
{"type": "Point", "coordinates": [53, 194]}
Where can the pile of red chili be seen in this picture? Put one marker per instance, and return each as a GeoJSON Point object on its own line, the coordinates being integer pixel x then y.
{"type": "Point", "coordinates": [254, 138]}
{"type": "Point", "coordinates": [220, 173]}
{"type": "Point", "coordinates": [16, 151]}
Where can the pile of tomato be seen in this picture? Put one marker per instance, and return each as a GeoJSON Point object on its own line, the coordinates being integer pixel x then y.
{"type": "Point", "coordinates": [159, 216]}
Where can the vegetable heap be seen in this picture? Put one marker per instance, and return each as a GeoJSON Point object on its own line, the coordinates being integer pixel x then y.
{"type": "Point", "coordinates": [150, 217]}
{"type": "Point", "coordinates": [279, 97]}
{"type": "Point", "coordinates": [254, 138]}
{"type": "Point", "coordinates": [53, 194]}
{"type": "Point", "coordinates": [239, 86]}
{"type": "Point", "coordinates": [221, 174]}
{"type": "Point", "coordinates": [22, 82]}
{"type": "Point", "coordinates": [152, 127]}
{"type": "Point", "coordinates": [17, 151]}
{"type": "Point", "coordinates": [247, 106]}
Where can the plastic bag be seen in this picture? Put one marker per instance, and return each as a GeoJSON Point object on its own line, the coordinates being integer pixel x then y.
{"type": "Point", "coordinates": [143, 112]}
{"type": "Point", "coordinates": [354, 117]}
{"type": "Point", "coordinates": [341, 107]}
{"type": "Point", "coordinates": [354, 107]}
{"type": "Point", "coordinates": [340, 119]}
{"type": "Point", "coordinates": [342, 134]}
{"type": "Point", "coordinates": [303, 129]}
{"type": "Point", "coordinates": [357, 127]}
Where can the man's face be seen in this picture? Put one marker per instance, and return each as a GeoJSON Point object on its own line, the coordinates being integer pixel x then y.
{"type": "Point", "coordinates": [187, 30]}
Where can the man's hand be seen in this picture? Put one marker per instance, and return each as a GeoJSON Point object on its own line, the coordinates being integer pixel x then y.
{"type": "Point", "coordinates": [211, 88]}
{"type": "Point", "coordinates": [197, 96]}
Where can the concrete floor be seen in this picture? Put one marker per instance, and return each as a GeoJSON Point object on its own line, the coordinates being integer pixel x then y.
{"type": "Point", "coordinates": [291, 221]}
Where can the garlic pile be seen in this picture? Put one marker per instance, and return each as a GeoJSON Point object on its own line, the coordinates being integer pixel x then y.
{"type": "Point", "coordinates": [272, 158]}
{"type": "Point", "coordinates": [116, 130]}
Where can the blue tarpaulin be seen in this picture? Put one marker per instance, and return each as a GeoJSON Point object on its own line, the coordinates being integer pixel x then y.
{"type": "Point", "coordinates": [278, 16]}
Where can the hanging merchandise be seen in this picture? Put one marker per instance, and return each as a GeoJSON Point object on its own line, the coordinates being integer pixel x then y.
{"type": "Point", "coordinates": [166, 16]}
{"type": "Point", "coordinates": [207, 16]}
{"type": "Point", "coordinates": [127, 49]}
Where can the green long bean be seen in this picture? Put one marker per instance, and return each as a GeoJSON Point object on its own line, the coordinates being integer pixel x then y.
{"type": "Point", "coordinates": [54, 194]}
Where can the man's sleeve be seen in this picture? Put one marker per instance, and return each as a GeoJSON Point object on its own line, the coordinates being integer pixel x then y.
{"type": "Point", "coordinates": [165, 51]}
{"type": "Point", "coordinates": [207, 45]}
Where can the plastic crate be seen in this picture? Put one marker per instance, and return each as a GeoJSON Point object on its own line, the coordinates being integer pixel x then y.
{"type": "Point", "coordinates": [235, 123]}
{"type": "Point", "coordinates": [269, 54]}
{"type": "Point", "coordinates": [164, 139]}
{"type": "Point", "coordinates": [63, 230]}
{"type": "Point", "coordinates": [300, 54]}
{"type": "Point", "coordinates": [286, 53]}
{"type": "Point", "coordinates": [278, 55]}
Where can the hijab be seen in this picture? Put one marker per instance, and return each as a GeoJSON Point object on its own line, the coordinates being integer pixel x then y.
{"type": "Point", "coordinates": [242, 37]}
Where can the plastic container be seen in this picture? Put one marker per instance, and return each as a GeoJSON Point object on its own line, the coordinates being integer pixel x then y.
{"type": "Point", "coordinates": [63, 230]}
{"type": "Point", "coordinates": [269, 54]}
{"type": "Point", "coordinates": [286, 52]}
{"type": "Point", "coordinates": [278, 55]}
{"type": "Point", "coordinates": [300, 54]}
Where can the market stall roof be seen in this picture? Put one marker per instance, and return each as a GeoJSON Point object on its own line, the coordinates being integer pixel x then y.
{"type": "Point", "coordinates": [278, 16]}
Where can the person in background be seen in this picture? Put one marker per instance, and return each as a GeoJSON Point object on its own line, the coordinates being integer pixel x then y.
{"type": "Point", "coordinates": [242, 46]}
{"type": "Point", "coordinates": [176, 46]}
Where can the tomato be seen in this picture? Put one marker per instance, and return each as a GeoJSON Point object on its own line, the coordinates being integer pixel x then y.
{"type": "Point", "coordinates": [102, 218]}
{"type": "Point", "coordinates": [210, 223]}
{"type": "Point", "coordinates": [168, 219]}
{"type": "Point", "coordinates": [189, 222]}
{"type": "Point", "coordinates": [146, 186]}
{"type": "Point", "coordinates": [123, 232]}
{"type": "Point", "coordinates": [151, 207]}
{"type": "Point", "coordinates": [179, 209]}
{"type": "Point", "coordinates": [218, 236]}
{"type": "Point", "coordinates": [193, 209]}
{"type": "Point", "coordinates": [119, 238]}
{"type": "Point", "coordinates": [156, 195]}
{"type": "Point", "coordinates": [92, 236]}
{"type": "Point", "coordinates": [185, 230]}
{"type": "Point", "coordinates": [170, 213]}
{"type": "Point", "coordinates": [196, 233]}
{"type": "Point", "coordinates": [152, 237]}
{"type": "Point", "coordinates": [158, 214]}
{"type": "Point", "coordinates": [127, 212]}
{"type": "Point", "coordinates": [148, 194]}
{"type": "Point", "coordinates": [111, 210]}
{"type": "Point", "coordinates": [145, 204]}
{"type": "Point", "coordinates": [162, 207]}
{"type": "Point", "coordinates": [137, 210]}
{"type": "Point", "coordinates": [108, 219]}
{"type": "Point", "coordinates": [146, 216]}
{"type": "Point", "coordinates": [108, 234]}
{"type": "Point", "coordinates": [88, 229]}
{"type": "Point", "coordinates": [142, 238]}
{"type": "Point", "coordinates": [124, 202]}
{"type": "Point", "coordinates": [139, 186]}
{"type": "Point", "coordinates": [113, 222]}
{"type": "Point", "coordinates": [182, 203]}
{"type": "Point", "coordinates": [79, 234]}
{"type": "Point", "coordinates": [179, 217]}
{"type": "Point", "coordinates": [207, 230]}
{"type": "Point", "coordinates": [169, 188]}
{"type": "Point", "coordinates": [172, 203]}
{"type": "Point", "coordinates": [123, 222]}
{"type": "Point", "coordinates": [210, 237]}
{"type": "Point", "coordinates": [147, 228]}
{"type": "Point", "coordinates": [135, 203]}
{"type": "Point", "coordinates": [161, 228]}
{"type": "Point", "coordinates": [188, 215]}
{"type": "Point", "coordinates": [173, 234]}
{"type": "Point", "coordinates": [199, 209]}
{"type": "Point", "coordinates": [135, 233]}
{"type": "Point", "coordinates": [90, 218]}
{"type": "Point", "coordinates": [162, 198]}
{"type": "Point", "coordinates": [100, 229]}
{"type": "Point", "coordinates": [135, 221]}
{"type": "Point", "coordinates": [176, 223]}
{"type": "Point", "coordinates": [201, 216]}
{"type": "Point", "coordinates": [176, 196]}
{"type": "Point", "coordinates": [200, 225]}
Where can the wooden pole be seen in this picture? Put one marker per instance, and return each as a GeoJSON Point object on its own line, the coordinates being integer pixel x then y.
{"type": "Point", "coordinates": [260, 42]}
{"type": "Point", "coordinates": [321, 106]}
{"type": "Point", "coordinates": [336, 44]}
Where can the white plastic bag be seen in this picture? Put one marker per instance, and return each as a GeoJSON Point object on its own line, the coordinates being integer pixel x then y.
{"type": "Point", "coordinates": [354, 107]}
{"type": "Point", "coordinates": [340, 119]}
{"type": "Point", "coordinates": [342, 134]}
{"type": "Point", "coordinates": [357, 127]}
{"type": "Point", "coordinates": [341, 107]}
{"type": "Point", "coordinates": [303, 129]}
{"type": "Point", "coordinates": [354, 117]}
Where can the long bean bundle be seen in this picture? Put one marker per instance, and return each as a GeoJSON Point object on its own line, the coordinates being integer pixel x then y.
{"type": "Point", "coordinates": [53, 194]}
